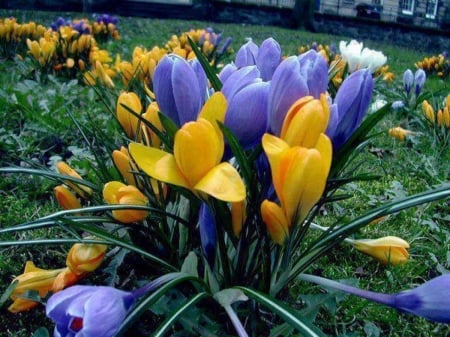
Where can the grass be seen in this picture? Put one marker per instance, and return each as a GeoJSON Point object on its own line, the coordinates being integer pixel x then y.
{"type": "Point", "coordinates": [35, 116]}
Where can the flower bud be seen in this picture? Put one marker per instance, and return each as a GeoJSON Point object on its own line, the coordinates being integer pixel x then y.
{"type": "Point", "coordinates": [129, 122]}
{"type": "Point", "coordinates": [387, 250]}
{"type": "Point", "coordinates": [85, 257]}
{"type": "Point", "coordinates": [66, 198]}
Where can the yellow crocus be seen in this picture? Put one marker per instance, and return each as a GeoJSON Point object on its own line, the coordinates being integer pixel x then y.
{"type": "Point", "coordinates": [66, 199]}
{"type": "Point", "coordinates": [33, 278]}
{"type": "Point", "coordinates": [399, 133]}
{"type": "Point", "coordinates": [299, 176]}
{"type": "Point", "coordinates": [84, 258]}
{"type": "Point", "coordinates": [238, 216]}
{"type": "Point", "coordinates": [151, 115]}
{"type": "Point", "coordinates": [183, 167]}
{"type": "Point", "coordinates": [125, 165]}
{"type": "Point", "coordinates": [117, 193]}
{"type": "Point", "coordinates": [65, 169]}
{"type": "Point", "coordinates": [128, 101]}
{"type": "Point", "coordinates": [387, 250]}
{"type": "Point", "coordinates": [276, 222]}
{"type": "Point", "coordinates": [305, 121]}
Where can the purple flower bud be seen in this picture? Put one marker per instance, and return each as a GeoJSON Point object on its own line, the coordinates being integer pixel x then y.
{"type": "Point", "coordinates": [89, 311]}
{"type": "Point", "coordinates": [240, 79]}
{"type": "Point", "coordinates": [268, 59]}
{"type": "Point", "coordinates": [419, 80]}
{"type": "Point", "coordinates": [408, 81]}
{"type": "Point", "coordinates": [223, 48]}
{"type": "Point", "coordinates": [287, 86]}
{"type": "Point", "coordinates": [208, 236]}
{"type": "Point", "coordinates": [246, 55]}
{"type": "Point", "coordinates": [180, 88]}
{"type": "Point", "coordinates": [351, 103]}
{"type": "Point", "coordinates": [314, 69]}
{"type": "Point", "coordinates": [229, 69]}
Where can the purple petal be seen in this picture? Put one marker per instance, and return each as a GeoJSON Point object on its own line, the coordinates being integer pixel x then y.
{"type": "Point", "coordinates": [269, 57]}
{"type": "Point", "coordinates": [201, 78]}
{"type": "Point", "coordinates": [240, 79]}
{"type": "Point", "coordinates": [314, 69]}
{"type": "Point", "coordinates": [162, 86]}
{"type": "Point", "coordinates": [207, 228]}
{"type": "Point", "coordinates": [286, 87]}
{"type": "Point", "coordinates": [246, 55]}
{"type": "Point", "coordinates": [333, 121]}
{"type": "Point", "coordinates": [247, 115]}
{"type": "Point", "coordinates": [226, 72]}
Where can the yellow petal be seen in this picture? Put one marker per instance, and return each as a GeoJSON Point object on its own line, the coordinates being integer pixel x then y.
{"type": "Point", "coordinates": [223, 182]}
{"type": "Point", "coordinates": [197, 149]}
{"type": "Point", "coordinates": [274, 147]}
{"type": "Point", "coordinates": [325, 147]}
{"type": "Point", "coordinates": [214, 109]}
{"type": "Point", "coordinates": [110, 191]}
{"type": "Point", "coordinates": [275, 220]}
{"type": "Point", "coordinates": [389, 249]}
{"type": "Point", "coordinates": [157, 164]}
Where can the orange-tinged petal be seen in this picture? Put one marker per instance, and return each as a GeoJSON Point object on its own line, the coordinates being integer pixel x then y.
{"type": "Point", "coordinates": [123, 163]}
{"type": "Point", "coordinates": [152, 115]}
{"type": "Point", "coordinates": [238, 216]}
{"type": "Point", "coordinates": [274, 148]}
{"type": "Point", "coordinates": [389, 249]}
{"type": "Point", "coordinates": [194, 139]}
{"type": "Point", "coordinates": [65, 169]}
{"type": "Point", "coordinates": [110, 191]}
{"type": "Point", "coordinates": [275, 220]}
{"type": "Point", "coordinates": [66, 199]}
{"type": "Point", "coordinates": [325, 147]}
{"type": "Point", "coordinates": [128, 101]}
{"type": "Point", "coordinates": [157, 164]}
{"type": "Point", "coordinates": [85, 257]}
{"type": "Point", "coordinates": [223, 182]}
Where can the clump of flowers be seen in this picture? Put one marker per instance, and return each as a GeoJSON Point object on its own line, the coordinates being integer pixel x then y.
{"type": "Point", "coordinates": [217, 182]}
{"type": "Point", "coordinates": [436, 64]}
{"type": "Point", "coordinates": [438, 119]}
{"type": "Point", "coordinates": [13, 36]}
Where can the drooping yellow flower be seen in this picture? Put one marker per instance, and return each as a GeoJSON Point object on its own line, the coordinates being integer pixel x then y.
{"type": "Point", "coordinates": [152, 116]}
{"type": "Point", "coordinates": [299, 176]}
{"type": "Point", "coordinates": [387, 250]}
{"type": "Point", "coordinates": [125, 165]}
{"type": "Point", "coordinates": [117, 193]}
{"type": "Point", "coordinates": [82, 190]}
{"type": "Point", "coordinates": [238, 216]}
{"type": "Point", "coordinates": [183, 167]}
{"type": "Point", "coordinates": [128, 101]}
{"type": "Point", "coordinates": [400, 133]}
{"type": "Point", "coordinates": [33, 278]}
{"type": "Point", "coordinates": [85, 257]}
{"type": "Point", "coordinates": [305, 121]}
{"type": "Point", "coordinates": [66, 198]}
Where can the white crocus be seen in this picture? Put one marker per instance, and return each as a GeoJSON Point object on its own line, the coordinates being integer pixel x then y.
{"type": "Point", "coordinates": [357, 57]}
{"type": "Point", "coordinates": [372, 59]}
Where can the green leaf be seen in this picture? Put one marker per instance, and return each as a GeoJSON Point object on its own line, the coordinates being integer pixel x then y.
{"type": "Point", "coordinates": [209, 70]}
{"type": "Point", "coordinates": [5, 296]}
{"type": "Point", "coordinates": [190, 265]}
{"type": "Point", "coordinates": [286, 313]}
{"type": "Point", "coordinates": [174, 316]}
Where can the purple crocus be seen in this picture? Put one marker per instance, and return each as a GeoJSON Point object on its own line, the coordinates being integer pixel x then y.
{"type": "Point", "coordinates": [268, 58]}
{"type": "Point", "coordinates": [419, 80]}
{"type": "Point", "coordinates": [408, 81]}
{"type": "Point", "coordinates": [180, 88]}
{"type": "Point", "coordinates": [287, 86]}
{"type": "Point", "coordinates": [208, 236]}
{"type": "Point", "coordinates": [246, 55]}
{"type": "Point", "coordinates": [95, 311]}
{"type": "Point", "coordinates": [89, 311]}
{"type": "Point", "coordinates": [349, 106]}
{"type": "Point", "coordinates": [430, 300]}
{"type": "Point", "coordinates": [314, 69]}
{"type": "Point", "coordinates": [247, 97]}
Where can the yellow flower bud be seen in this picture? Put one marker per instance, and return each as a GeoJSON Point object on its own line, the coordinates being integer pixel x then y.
{"type": "Point", "coordinates": [85, 257]}
{"type": "Point", "coordinates": [65, 169]}
{"type": "Point", "coordinates": [276, 222]}
{"type": "Point", "coordinates": [124, 164]}
{"type": "Point", "coordinates": [387, 250]}
{"type": "Point", "coordinates": [117, 193]}
{"type": "Point", "coordinates": [66, 199]}
{"type": "Point", "coordinates": [129, 122]}
{"type": "Point", "coordinates": [399, 133]}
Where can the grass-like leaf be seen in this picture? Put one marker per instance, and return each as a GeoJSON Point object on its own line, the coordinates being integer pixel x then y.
{"type": "Point", "coordinates": [282, 310]}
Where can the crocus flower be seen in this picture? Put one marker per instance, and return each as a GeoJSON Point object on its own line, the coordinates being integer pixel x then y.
{"type": "Point", "coordinates": [208, 235]}
{"type": "Point", "coordinates": [66, 199]}
{"type": "Point", "coordinates": [238, 216]}
{"type": "Point", "coordinates": [268, 58]}
{"type": "Point", "coordinates": [247, 54]}
{"type": "Point", "coordinates": [117, 193]}
{"type": "Point", "coordinates": [89, 311]}
{"type": "Point", "coordinates": [350, 106]}
{"type": "Point", "coordinates": [84, 258]}
{"type": "Point", "coordinates": [399, 133]}
{"type": "Point", "coordinates": [359, 58]}
{"type": "Point", "coordinates": [408, 81]}
{"type": "Point", "coordinates": [125, 165]}
{"type": "Point", "coordinates": [65, 169]}
{"type": "Point", "coordinates": [305, 121]}
{"type": "Point", "coordinates": [182, 168]}
{"type": "Point", "coordinates": [151, 115]}
{"type": "Point", "coordinates": [33, 278]}
{"type": "Point", "coordinates": [430, 300]}
{"type": "Point", "coordinates": [299, 175]}
{"type": "Point", "coordinates": [387, 250]}
{"type": "Point", "coordinates": [180, 88]}
{"type": "Point", "coordinates": [419, 80]}
{"type": "Point", "coordinates": [314, 69]}
{"type": "Point", "coordinates": [247, 97]}
{"type": "Point", "coordinates": [128, 101]}
{"type": "Point", "coordinates": [287, 86]}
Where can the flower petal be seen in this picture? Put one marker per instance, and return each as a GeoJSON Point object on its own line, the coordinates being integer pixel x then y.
{"type": "Point", "coordinates": [223, 182]}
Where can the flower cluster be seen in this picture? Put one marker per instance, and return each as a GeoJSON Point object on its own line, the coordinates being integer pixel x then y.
{"type": "Point", "coordinates": [437, 64]}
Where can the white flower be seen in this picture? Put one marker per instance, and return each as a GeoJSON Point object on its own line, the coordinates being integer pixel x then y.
{"type": "Point", "coordinates": [357, 57]}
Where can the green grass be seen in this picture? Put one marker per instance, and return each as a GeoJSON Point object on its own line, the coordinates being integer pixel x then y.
{"type": "Point", "coordinates": [35, 112]}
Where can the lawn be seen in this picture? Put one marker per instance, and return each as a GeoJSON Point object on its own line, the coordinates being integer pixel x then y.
{"type": "Point", "coordinates": [49, 118]}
